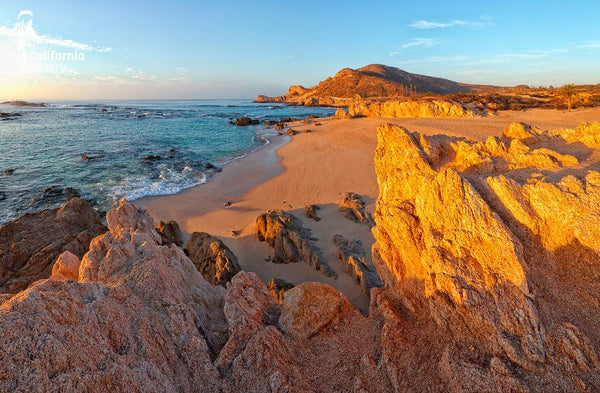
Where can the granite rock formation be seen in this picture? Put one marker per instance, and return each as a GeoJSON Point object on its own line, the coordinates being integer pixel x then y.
{"type": "Point", "coordinates": [353, 255]}
{"type": "Point", "coordinates": [277, 288]}
{"type": "Point", "coordinates": [342, 114]}
{"type": "Point", "coordinates": [30, 245]}
{"type": "Point", "coordinates": [135, 314]}
{"type": "Point", "coordinates": [212, 258]}
{"type": "Point", "coordinates": [290, 240]}
{"type": "Point", "coordinates": [353, 208]}
{"type": "Point", "coordinates": [487, 262]}
{"type": "Point", "coordinates": [420, 108]}
{"type": "Point", "coordinates": [170, 233]}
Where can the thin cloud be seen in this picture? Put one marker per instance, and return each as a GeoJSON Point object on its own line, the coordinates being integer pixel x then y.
{"type": "Point", "coordinates": [435, 59]}
{"type": "Point", "coordinates": [427, 25]}
{"type": "Point", "coordinates": [423, 42]}
{"type": "Point", "coordinates": [138, 75]}
{"type": "Point", "coordinates": [507, 57]}
{"type": "Point", "coordinates": [394, 53]}
{"type": "Point", "coordinates": [23, 32]}
{"type": "Point", "coordinates": [589, 45]}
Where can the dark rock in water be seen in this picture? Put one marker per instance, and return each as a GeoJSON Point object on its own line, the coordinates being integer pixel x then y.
{"type": "Point", "coordinates": [246, 121]}
{"type": "Point", "coordinates": [170, 233]}
{"type": "Point", "coordinates": [150, 158]}
{"type": "Point", "coordinates": [8, 116]}
{"type": "Point", "coordinates": [353, 255]}
{"type": "Point", "coordinates": [279, 126]}
{"type": "Point", "coordinates": [24, 103]}
{"type": "Point", "coordinates": [8, 172]}
{"type": "Point", "coordinates": [2, 195]}
{"type": "Point", "coordinates": [277, 288]}
{"type": "Point", "coordinates": [85, 157]}
{"type": "Point", "coordinates": [227, 204]}
{"type": "Point", "coordinates": [172, 150]}
{"type": "Point", "coordinates": [291, 132]}
{"type": "Point", "coordinates": [212, 258]}
{"type": "Point", "coordinates": [30, 245]}
{"type": "Point", "coordinates": [104, 110]}
{"type": "Point", "coordinates": [291, 241]}
{"type": "Point", "coordinates": [288, 119]}
{"type": "Point", "coordinates": [67, 192]}
{"type": "Point", "coordinates": [54, 195]}
{"type": "Point", "coordinates": [271, 123]}
{"type": "Point", "coordinates": [209, 165]}
{"type": "Point", "coordinates": [313, 116]}
{"type": "Point", "coordinates": [311, 212]}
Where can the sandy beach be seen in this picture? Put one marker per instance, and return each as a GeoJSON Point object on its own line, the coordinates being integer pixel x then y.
{"type": "Point", "coordinates": [317, 168]}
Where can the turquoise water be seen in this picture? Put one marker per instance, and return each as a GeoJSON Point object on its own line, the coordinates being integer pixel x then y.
{"type": "Point", "coordinates": [44, 147]}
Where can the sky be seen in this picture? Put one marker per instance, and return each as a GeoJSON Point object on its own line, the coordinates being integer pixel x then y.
{"type": "Point", "coordinates": [239, 49]}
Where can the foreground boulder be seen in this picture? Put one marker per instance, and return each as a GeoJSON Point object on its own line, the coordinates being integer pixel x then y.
{"type": "Point", "coordinates": [170, 233]}
{"type": "Point", "coordinates": [138, 315]}
{"type": "Point", "coordinates": [312, 306]}
{"type": "Point", "coordinates": [487, 264]}
{"type": "Point", "coordinates": [30, 245]}
{"type": "Point", "coordinates": [290, 240]}
{"type": "Point", "coordinates": [212, 258]}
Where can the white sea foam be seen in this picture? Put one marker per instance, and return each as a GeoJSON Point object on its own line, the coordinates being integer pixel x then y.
{"type": "Point", "coordinates": [168, 182]}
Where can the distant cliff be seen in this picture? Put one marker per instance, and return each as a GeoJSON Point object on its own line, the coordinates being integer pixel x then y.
{"type": "Point", "coordinates": [372, 81]}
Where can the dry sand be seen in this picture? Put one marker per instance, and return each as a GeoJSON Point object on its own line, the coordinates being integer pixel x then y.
{"type": "Point", "coordinates": [317, 168]}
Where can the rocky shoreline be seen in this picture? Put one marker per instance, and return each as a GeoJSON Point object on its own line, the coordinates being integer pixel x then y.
{"type": "Point", "coordinates": [487, 283]}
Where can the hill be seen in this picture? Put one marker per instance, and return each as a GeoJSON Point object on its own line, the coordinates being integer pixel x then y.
{"type": "Point", "coordinates": [372, 81]}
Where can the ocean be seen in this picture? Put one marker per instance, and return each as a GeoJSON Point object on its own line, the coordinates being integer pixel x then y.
{"type": "Point", "coordinates": [108, 150]}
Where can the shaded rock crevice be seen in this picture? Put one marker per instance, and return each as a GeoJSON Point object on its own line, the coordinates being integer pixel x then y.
{"type": "Point", "coordinates": [291, 241]}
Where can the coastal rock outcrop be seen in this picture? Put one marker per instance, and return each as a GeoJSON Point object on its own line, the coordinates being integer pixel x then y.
{"type": "Point", "coordinates": [420, 108]}
{"type": "Point", "coordinates": [170, 233]}
{"type": "Point", "coordinates": [312, 306]}
{"type": "Point", "coordinates": [212, 258]}
{"type": "Point", "coordinates": [290, 240]}
{"type": "Point", "coordinates": [353, 208]}
{"type": "Point", "coordinates": [246, 121]}
{"type": "Point", "coordinates": [30, 245]}
{"type": "Point", "coordinates": [136, 313]}
{"type": "Point", "coordinates": [311, 212]}
{"type": "Point", "coordinates": [342, 114]}
{"type": "Point", "coordinates": [588, 134]}
{"type": "Point", "coordinates": [487, 267]}
{"type": "Point", "coordinates": [277, 288]}
{"type": "Point", "coordinates": [136, 316]}
{"type": "Point", "coordinates": [353, 255]}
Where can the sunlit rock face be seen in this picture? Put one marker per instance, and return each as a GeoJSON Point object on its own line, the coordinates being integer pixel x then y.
{"type": "Point", "coordinates": [419, 108]}
{"type": "Point", "coordinates": [495, 243]}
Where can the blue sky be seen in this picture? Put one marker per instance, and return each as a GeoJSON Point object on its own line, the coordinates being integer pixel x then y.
{"type": "Point", "coordinates": [196, 49]}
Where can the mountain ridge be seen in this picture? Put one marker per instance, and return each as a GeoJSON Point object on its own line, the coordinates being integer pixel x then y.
{"type": "Point", "coordinates": [374, 81]}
